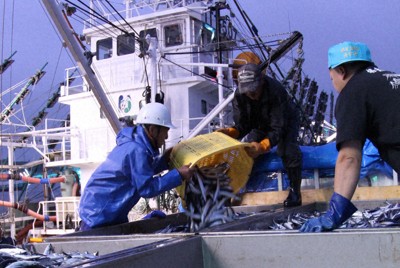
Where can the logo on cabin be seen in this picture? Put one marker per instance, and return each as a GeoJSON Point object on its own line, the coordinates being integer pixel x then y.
{"type": "Point", "coordinates": [124, 103]}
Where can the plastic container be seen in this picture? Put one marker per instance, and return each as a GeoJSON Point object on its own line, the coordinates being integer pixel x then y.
{"type": "Point", "coordinates": [210, 150]}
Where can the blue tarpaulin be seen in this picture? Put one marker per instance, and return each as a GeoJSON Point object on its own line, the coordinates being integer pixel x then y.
{"type": "Point", "coordinates": [264, 177]}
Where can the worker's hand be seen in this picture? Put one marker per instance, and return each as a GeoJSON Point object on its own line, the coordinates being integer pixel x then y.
{"type": "Point", "coordinates": [186, 172]}
{"type": "Point", "coordinates": [340, 209]}
{"type": "Point", "coordinates": [230, 131]}
{"type": "Point", "coordinates": [257, 148]}
{"type": "Point", "coordinates": [155, 214]}
{"type": "Point", "coordinates": [254, 135]}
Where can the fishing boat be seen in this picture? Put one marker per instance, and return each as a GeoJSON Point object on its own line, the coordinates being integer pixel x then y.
{"type": "Point", "coordinates": [173, 52]}
{"type": "Point", "coordinates": [183, 53]}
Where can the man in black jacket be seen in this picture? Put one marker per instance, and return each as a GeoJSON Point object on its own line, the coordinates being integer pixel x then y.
{"type": "Point", "coordinates": [265, 116]}
{"type": "Point", "coordinates": [367, 108]}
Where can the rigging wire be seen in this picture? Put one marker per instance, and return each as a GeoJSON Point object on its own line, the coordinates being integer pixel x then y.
{"type": "Point", "coordinates": [252, 28]}
{"type": "Point", "coordinates": [197, 74]}
{"type": "Point", "coordinates": [135, 36]}
{"type": "Point", "coordinates": [248, 46]}
{"type": "Point", "coordinates": [93, 12]}
{"type": "Point", "coordinates": [2, 53]}
{"type": "Point", "coordinates": [56, 32]}
{"type": "Point", "coordinates": [145, 63]}
{"type": "Point", "coordinates": [19, 84]}
{"type": "Point", "coordinates": [2, 49]}
{"type": "Point", "coordinates": [82, 22]}
{"type": "Point", "coordinates": [136, 48]}
{"type": "Point", "coordinates": [245, 33]}
{"type": "Point", "coordinates": [140, 42]}
{"type": "Point", "coordinates": [24, 118]}
{"type": "Point", "coordinates": [113, 25]}
{"type": "Point", "coordinates": [54, 75]}
{"type": "Point", "coordinates": [50, 92]}
{"type": "Point", "coordinates": [102, 18]}
{"type": "Point", "coordinates": [122, 17]}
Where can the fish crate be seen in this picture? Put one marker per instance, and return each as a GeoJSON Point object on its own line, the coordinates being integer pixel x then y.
{"type": "Point", "coordinates": [212, 149]}
{"type": "Point", "coordinates": [66, 211]}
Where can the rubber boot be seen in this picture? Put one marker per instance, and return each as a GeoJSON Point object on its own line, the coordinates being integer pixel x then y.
{"type": "Point", "coordinates": [294, 197]}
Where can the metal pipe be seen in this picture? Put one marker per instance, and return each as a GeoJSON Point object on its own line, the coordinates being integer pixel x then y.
{"type": "Point", "coordinates": [54, 10]}
{"type": "Point", "coordinates": [220, 77]}
{"type": "Point", "coordinates": [152, 41]}
{"type": "Point", "coordinates": [11, 192]}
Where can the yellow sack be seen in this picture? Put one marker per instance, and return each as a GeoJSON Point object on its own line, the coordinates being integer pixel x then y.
{"type": "Point", "coordinates": [210, 150]}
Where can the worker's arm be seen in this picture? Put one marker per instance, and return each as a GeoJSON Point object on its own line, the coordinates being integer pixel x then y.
{"type": "Point", "coordinates": [347, 170]}
{"type": "Point", "coordinates": [347, 173]}
{"type": "Point", "coordinates": [230, 131]}
{"type": "Point", "coordinates": [256, 149]}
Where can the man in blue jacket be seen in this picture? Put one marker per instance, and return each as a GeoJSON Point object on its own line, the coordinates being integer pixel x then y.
{"type": "Point", "coordinates": [130, 170]}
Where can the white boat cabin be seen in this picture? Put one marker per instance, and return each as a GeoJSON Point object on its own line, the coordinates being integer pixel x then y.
{"type": "Point", "coordinates": [178, 59]}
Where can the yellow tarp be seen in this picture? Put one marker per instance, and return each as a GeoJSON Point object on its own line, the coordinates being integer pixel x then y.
{"type": "Point", "coordinates": [210, 150]}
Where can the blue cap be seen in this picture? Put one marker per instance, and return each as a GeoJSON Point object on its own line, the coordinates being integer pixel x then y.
{"type": "Point", "coordinates": [348, 51]}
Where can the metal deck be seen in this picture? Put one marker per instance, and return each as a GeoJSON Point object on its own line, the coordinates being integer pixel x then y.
{"type": "Point", "coordinates": [246, 242]}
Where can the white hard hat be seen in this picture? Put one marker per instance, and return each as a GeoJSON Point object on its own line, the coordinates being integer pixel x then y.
{"type": "Point", "coordinates": [155, 114]}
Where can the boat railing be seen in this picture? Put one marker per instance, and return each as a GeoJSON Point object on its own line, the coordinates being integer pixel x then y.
{"type": "Point", "coordinates": [67, 218]}
{"type": "Point", "coordinates": [136, 8]}
{"type": "Point", "coordinates": [57, 141]}
{"type": "Point", "coordinates": [75, 83]}
{"type": "Point", "coordinates": [71, 144]}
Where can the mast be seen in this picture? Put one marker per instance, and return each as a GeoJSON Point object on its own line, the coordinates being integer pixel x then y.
{"type": "Point", "coordinates": [21, 95]}
{"type": "Point", "coordinates": [54, 10]}
{"type": "Point", "coordinates": [7, 63]}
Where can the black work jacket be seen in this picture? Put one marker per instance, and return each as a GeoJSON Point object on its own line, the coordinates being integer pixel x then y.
{"type": "Point", "coordinates": [271, 114]}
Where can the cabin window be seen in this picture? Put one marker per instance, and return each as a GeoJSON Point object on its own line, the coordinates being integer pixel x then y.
{"type": "Point", "coordinates": [173, 35]}
{"type": "Point", "coordinates": [204, 107]}
{"type": "Point", "coordinates": [207, 37]}
{"type": "Point", "coordinates": [142, 36]}
{"type": "Point", "coordinates": [125, 44]}
{"type": "Point", "coordinates": [104, 49]}
{"type": "Point", "coordinates": [204, 35]}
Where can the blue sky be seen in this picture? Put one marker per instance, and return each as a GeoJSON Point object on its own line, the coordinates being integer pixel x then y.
{"type": "Point", "coordinates": [322, 23]}
{"type": "Point", "coordinates": [26, 29]}
{"type": "Point", "coordinates": [325, 23]}
{"type": "Point", "coordinates": [29, 32]}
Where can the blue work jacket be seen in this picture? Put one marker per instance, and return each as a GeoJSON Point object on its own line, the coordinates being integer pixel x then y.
{"type": "Point", "coordinates": [123, 178]}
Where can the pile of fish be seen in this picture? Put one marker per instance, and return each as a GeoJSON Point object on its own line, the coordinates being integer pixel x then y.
{"type": "Point", "coordinates": [380, 217]}
{"type": "Point", "coordinates": [293, 221]}
{"type": "Point", "coordinates": [12, 257]}
{"type": "Point", "coordinates": [208, 196]}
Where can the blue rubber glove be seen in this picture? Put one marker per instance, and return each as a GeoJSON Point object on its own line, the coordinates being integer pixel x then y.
{"type": "Point", "coordinates": [340, 209]}
{"type": "Point", "coordinates": [155, 214]}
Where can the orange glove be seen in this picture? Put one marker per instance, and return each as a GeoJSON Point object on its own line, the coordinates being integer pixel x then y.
{"type": "Point", "coordinates": [257, 148]}
{"type": "Point", "coordinates": [230, 131]}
